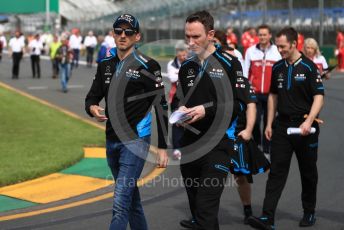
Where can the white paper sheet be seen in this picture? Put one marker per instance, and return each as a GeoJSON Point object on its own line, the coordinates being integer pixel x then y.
{"type": "Point", "coordinates": [178, 116]}
{"type": "Point", "coordinates": [294, 130]}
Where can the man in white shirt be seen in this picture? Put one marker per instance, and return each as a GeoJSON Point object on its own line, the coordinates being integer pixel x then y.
{"type": "Point", "coordinates": [75, 44]}
{"type": "Point", "coordinates": [35, 48]}
{"type": "Point", "coordinates": [3, 44]}
{"type": "Point", "coordinates": [110, 41]}
{"type": "Point", "coordinates": [90, 43]}
{"type": "Point", "coordinates": [16, 50]}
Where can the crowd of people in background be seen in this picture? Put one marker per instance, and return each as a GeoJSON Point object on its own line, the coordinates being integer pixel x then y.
{"type": "Point", "coordinates": [63, 49]}
{"type": "Point", "coordinates": [96, 48]}
{"type": "Point", "coordinates": [46, 44]}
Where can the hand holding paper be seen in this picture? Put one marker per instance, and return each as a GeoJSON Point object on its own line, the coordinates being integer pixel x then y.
{"type": "Point", "coordinates": [294, 130]}
{"type": "Point", "coordinates": [178, 117]}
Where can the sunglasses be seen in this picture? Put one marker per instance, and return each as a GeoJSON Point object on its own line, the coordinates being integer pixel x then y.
{"type": "Point", "coordinates": [127, 32]}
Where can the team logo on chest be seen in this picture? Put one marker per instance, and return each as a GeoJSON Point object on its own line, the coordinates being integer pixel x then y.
{"type": "Point", "coordinates": [300, 77]}
{"type": "Point", "coordinates": [216, 73]}
{"type": "Point", "coordinates": [132, 74]}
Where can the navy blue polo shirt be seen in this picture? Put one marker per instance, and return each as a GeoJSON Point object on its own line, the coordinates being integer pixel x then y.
{"type": "Point", "coordinates": [295, 85]}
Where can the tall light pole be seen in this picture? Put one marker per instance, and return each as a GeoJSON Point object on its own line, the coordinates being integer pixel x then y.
{"type": "Point", "coordinates": [290, 3]}
{"type": "Point", "coordinates": [168, 6]}
{"type": "Point", "coordinates": [240, 17]}
{"type": "Point", "coordinates": [321, 25]}
{"type": "Point", "coordinates": [264, 11]}
{"type": "Point", "coordinates": [47, 14]}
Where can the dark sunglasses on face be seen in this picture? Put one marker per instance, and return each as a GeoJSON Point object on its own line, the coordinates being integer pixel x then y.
{"type": "Point", "coordinates": [127, 32]}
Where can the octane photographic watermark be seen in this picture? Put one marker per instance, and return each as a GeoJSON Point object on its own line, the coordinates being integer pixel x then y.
{"type": "Point", "coordinates": [163, 181]}
{"type": "Point", "coordinates": [207, 141]}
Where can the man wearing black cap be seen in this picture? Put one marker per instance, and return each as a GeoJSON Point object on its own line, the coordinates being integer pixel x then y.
{"type": "Point", "coordinates": [130, 82]}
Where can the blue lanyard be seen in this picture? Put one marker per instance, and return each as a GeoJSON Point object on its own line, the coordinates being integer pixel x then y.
{"type": "Point", "coordinates": [202, 68]}
{"type": "Point", "coordinates": [119, 67]}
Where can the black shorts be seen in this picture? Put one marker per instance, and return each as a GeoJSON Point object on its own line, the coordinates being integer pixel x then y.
{"type": "Point", "coordinates": [247, 159]}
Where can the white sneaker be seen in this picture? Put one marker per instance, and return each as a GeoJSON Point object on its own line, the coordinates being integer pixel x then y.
{"type": "Point", "coordinates": [177, 155]}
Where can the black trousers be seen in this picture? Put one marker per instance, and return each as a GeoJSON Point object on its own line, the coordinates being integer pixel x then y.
{"type": "Point", "coordinates": [258, 133]}
{"type": "Point", "coordinates": [89, 55]}
{"type": "Point", "coordinates": [204, 180]}
{"type": "Point", "coordinates": [283, 146]}
{"type": "Point", "coordinates": [75, 61]}
{"type": "Point", "coordinates": [35, 66]}
{"type": "Point", "coordinates": [16, 57]}
{"type": "Point", "coordinates": [55, 67]}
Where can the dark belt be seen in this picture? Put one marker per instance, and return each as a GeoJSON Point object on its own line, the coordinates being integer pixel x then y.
{"type": "Point", "coordinates": [290, 118]}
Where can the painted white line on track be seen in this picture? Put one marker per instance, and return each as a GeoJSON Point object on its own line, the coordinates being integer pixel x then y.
{"type": "Point", "coordinates": [46, 87]}
{"type": "Point", "coordinates": [76, 86]}
{"type": "Point", "coordinates": [37, 87]}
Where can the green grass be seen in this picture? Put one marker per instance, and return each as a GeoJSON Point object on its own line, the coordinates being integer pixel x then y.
{"type": "Point", "coordinates": [36, 140]}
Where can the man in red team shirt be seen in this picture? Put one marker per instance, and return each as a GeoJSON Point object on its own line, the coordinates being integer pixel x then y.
{"type": "Point", "coordinates": [249, 38]}
{"type": "Point", "coordinates": [231, 37]}
{"type": "Point", "coordinates": [300, 41]}
{"type": "Point", "coordinates": [259, 60]}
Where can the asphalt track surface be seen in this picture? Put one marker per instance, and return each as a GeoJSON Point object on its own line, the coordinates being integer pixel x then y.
{"type": "Point", "coordinates": [164, 200]}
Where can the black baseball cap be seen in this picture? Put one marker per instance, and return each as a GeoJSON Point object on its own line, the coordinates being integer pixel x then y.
{"type": "Point", "coordinates": [129, 19]}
